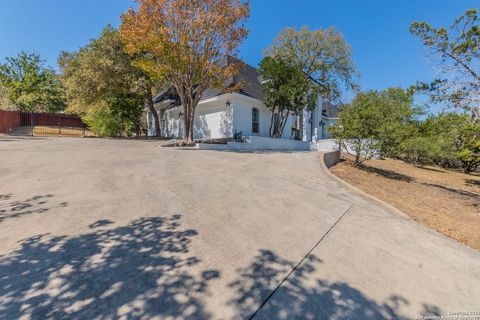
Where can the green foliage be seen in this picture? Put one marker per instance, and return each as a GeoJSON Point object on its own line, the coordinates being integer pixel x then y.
{"type": "Point", "coordinates": [375, 122]}
{"type": "Point", "coordinates": [104, 123]}
{"type": "Point", "coordinates": [444, 131]}
{"type": "Point", "coordinates": [468, 146]}
{"type": "Point", "coordinates": [446, 139]}
{"type": "Point", "coordinates": [420, 150]}
{"type": "Point", "coordinates": [101, 82]}
{"type": "Point", "coordinates": [396, 116]}
{"type": "Point", "coordinates": [182, 42]}
{"type": "Point", "coordinates": [288, 90]}
{"type": "Point", "coordinates": [323, 55]}
{"type": "Point", "coordinates": [121, 116]}
{"type": "Point", "coordinates": [457, 50]}
{"type": "Point", "coordinates": [27, 85]}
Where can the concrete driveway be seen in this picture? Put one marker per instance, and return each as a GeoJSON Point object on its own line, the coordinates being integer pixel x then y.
{"type": "Point", "coordinates": [110, 229]}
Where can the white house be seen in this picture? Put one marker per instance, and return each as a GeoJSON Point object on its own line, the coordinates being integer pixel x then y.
{"type": "Point", "coordinates": [222, 115]}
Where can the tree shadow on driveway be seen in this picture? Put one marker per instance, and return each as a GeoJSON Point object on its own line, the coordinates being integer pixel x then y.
{"type": "Point", "coordinates": [304, 297]}
{"type": "Point", "coordinates": [145, 270]}
{"type": "Point", "coordinates": [136, 271]}
{"type": "Point", "coordinates": [12, 208]}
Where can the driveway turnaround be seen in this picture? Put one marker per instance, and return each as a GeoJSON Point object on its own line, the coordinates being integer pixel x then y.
{"type": "Point", "coordinates": [122, 229]}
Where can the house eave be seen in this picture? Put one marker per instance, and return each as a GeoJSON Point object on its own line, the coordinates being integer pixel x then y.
{"type": "Point", "coordinates": [232, 96]}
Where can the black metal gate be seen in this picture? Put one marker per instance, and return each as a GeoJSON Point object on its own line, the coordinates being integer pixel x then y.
{"type": "Point", "coordinates": [26, 119]}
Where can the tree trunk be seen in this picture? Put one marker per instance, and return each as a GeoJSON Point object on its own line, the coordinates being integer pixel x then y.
{"type": "Point", "coordinates": [279, 124]}
{"type": "Point", "coordinates": [151, 107]}
{"type": "Point", "coordinates": [358, 152]}
{"type": "Point", "coordinates": [271, 123]}
{"type": "Point", "coordinates": [357, 159]}
{"type": "Point", "coordinates": [189, 104]}
{"type": "Point", "coordinates": [284, 124]}
{"type": "Point", "coordinates": [188, 127]}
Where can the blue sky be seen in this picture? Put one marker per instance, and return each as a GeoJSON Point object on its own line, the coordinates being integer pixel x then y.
{"type": "Point", "coordinates": [384, 52]}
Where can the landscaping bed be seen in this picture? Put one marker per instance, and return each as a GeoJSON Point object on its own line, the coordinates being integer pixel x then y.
{"type": "Point", "coordinates": [447, 201]}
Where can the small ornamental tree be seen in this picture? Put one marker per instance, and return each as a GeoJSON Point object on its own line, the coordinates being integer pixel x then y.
{"type": "Point", "coordinates": [183, 42]}
{"type": "Point", "coordinates": [288, 91]}
{"type": "Point", "coordinates": [355, 131]}
{"type": "Point", "coordinates": [375, 123]}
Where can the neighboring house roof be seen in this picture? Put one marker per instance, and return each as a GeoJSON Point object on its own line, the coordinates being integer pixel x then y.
{"type": "Point", "coordinates": [330, 111]}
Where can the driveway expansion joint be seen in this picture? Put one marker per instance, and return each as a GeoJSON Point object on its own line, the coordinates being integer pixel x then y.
{"type": "Point", "coordinates": [299, 263]}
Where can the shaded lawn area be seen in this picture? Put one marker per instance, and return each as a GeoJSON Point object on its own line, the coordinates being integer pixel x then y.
{"type": "Point", "coordinates": [444, 200]}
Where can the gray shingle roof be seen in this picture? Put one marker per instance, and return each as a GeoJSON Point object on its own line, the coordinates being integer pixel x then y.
{"type": "Point", "coordinates": [330, 111]}
{"type": "Point", "coordinates": [250, 86]}
{"type": "Point", "coordinates": [247, 76]}
{"type": "Point", "coordinates": [168, 96]}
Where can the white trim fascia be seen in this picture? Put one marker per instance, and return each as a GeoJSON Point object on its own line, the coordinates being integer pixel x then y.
{"type": "Point", "coordinates": [214, 99]}
{"type": "Point", "coordinates": [323, 117]}
{"type": "Point", "coordinates": [246, 98]}
{"type": "Point", "coordinates": [233, 95]}
{"type": "Point", "coordinates": [222, 97]}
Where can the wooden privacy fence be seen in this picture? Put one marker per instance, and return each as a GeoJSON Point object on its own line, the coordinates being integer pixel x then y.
{"type": "Point", "coordinates": [9, 120]}
{"type": "Point", "coordinates": [41, 123]}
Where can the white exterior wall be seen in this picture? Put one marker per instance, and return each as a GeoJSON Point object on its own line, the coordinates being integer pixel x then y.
{"type": "Point", "coordinates": [265, 143]}
{"type": "Point", "coordinates": [324, 145]}
{"type": "Point", "coordinates": [172, 124]}
{"type": "Point", "coordinates": [317, 134]}
{"type": "Point", "coordinates": [214, 119]}
{"type": "Point", "coordinates": [254, 143]}
{"type": "Point", "coordinates": [242, 118]}
{"type": "Point", "coordinates": [242, 115]}
{"type": "Point", "coordinates": [326, 128]}
{"type": "Point", "coordinates": [307, 131]}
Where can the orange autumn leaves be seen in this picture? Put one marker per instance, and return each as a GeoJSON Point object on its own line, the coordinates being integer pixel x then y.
{"type": "Point", "coordinates": [184, 38]}
{"type": "Point", "coordinates": [182, 44]}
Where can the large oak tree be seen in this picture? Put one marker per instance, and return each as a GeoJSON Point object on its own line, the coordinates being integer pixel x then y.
{"type": "Point", "coordinates": [104, 86]}
{"type": "Point", "coordinates": [182, 43]}
{"type": "Point", "coordinates": [324, 55]}
{"type": "Point", "coordinates": [288, 90]}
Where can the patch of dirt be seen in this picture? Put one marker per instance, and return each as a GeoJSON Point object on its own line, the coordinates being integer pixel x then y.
{"type": "Point", "coordinates": [444, 200]}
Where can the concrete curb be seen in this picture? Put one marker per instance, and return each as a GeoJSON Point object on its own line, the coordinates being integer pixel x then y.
{"type": "Point", "coordinates": [358, 191]}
